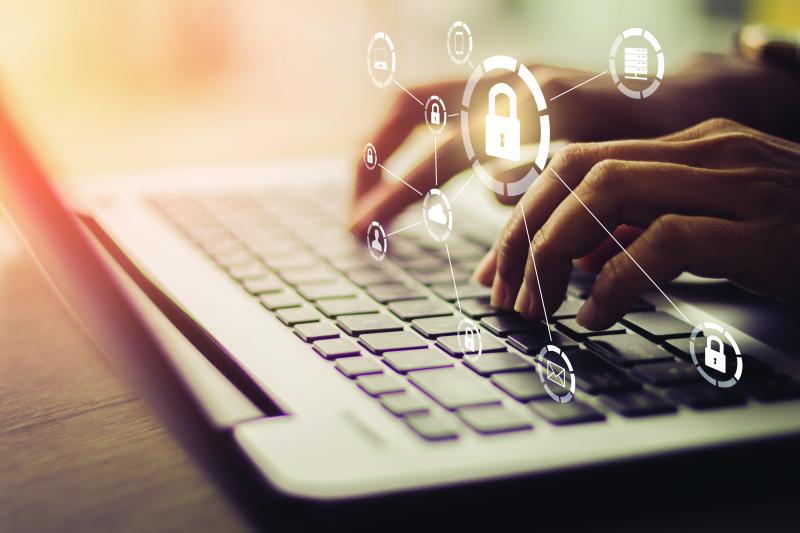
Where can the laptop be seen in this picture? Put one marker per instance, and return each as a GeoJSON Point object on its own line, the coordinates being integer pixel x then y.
{"type": "Point", "coordinates": [331, 376]}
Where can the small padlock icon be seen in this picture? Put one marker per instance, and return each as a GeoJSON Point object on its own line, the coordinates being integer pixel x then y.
{"type": "Point", "coordinates": [715, 353]}
{"type": "Point", "coordinates": [436, 118]}
{"type": "Point", "coordinates": [370, 156]}
{"type": "Point", "coordinates": [469, 341]}
{"type": "Point", "coordinates": [502, 133]}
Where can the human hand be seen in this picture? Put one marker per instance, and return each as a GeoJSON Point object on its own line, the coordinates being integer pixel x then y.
{"type": "Point", "coordinates": [718, 200]}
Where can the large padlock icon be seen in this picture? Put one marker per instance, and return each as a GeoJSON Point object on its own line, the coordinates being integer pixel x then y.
{"type": "Point", "coordinates": [715, 353]}
{"type": "Point", "coordinates": [469, 341]}
{"type": "Point", "coordinates": [502, 133]}
{"type": "Point", "coordinates": [370, 155]}
{"type": "Point", "coordinates": [436, 118]}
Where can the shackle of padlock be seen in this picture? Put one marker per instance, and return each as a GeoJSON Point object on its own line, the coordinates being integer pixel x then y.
{"type": "Point", "coordinates": [503, 88]}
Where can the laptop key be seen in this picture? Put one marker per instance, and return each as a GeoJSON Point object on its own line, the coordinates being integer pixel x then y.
{"type": "Point", "coordinates": [410, 360]}
{"type": "Point", "coordinates": [571, 327]}
{"type": "Point", "coordinates": [352, 367]}
{"type": "Point", "coordinates": [437, 326]}
{"type": "Point", "coordinates": [263, 285]}
{"type": "Point", "coordinates": [347, 306]}
{"type": "Point", "coordinates": [637, 403]}
{"type": "Point", "coordinates": [489, 344]}
{"type": "Point", "coordinates": [335, 348]}
{"type": "Point", "coordinates": [366, 278]}
{"type": "Point", "coordinates": [506, 324]}
{"type": "Point", "coordinates": [567, 309]}
{"type": "Point", "coordinates": [628, 350]}
{"type": "Point", "coordinates": [316, 331]}
{"type": "Point", "coordinates": [657, 325]}
{"type": "Point", "coordinates": [393, 293]}
{"type": "Point", "coordinates": [532, 342]}
{"type": "Point", "coordinates": [491, 419]}
{"type": "Point", "coordinates": [704, 396]}
{"type": "Point", "coordinates": [681, 347]}
{"type": "Point", "coordinates": [465, 291]}
{"type": "Point", "coordinates": [491, 363]}
{"type": "Point", "coordinates": [594, 375]}
{"type": "Point", "coordinates": [281, 300]}
{"type": "Point", "coordinates": [563, 414]}
{"type": "Point", "coordinates": [297, 315]}
{"type": "Point", "coordinates": [668, 373]}
{"type": "Point", "coordinates": [379, 343]}
{"type": "Point", "coordinates": [250, 270]}
{"type": "Point", "coordinates": [413, 309]}
{"type": "Point", "coordinates": [479, 308]}
{"type": "Point", "coordinates": [433, 426]}
{"type": "Point", "coordinates": [355, 325]}
{"type": "Point", "coordinates": [316, 274]}
{"type": "Point", "coordinates": [454, 387]}
{"type": "Point", "coordinates": [405, 403]}
{"type": "Point", "coordinates": [326, 291]}
{"type": "Point", "coordinates": [522, 386]}
{"type": "Point", "coordinates": [440, 276]}
{"type": "Point", "coordinates": [380, 384]}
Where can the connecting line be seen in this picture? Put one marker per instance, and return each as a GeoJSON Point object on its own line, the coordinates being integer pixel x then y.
{"type": "Point", "coordinates": [580, 84]}
{"type": "Point", "coordinates": [409, 93]}
{"type": "Point", "coordinates": [620, 246]}
{"type": "Point", "coordinates": [535, 271]}
{"type": "Point", "coordinates": [403, 229]}
{"type": "Point", "coordinates": [455, 288]}
{"type": "Point", "coordinates": [471, 65]}
{"type": "Point", "coordinates": [455, 197]}
{"type": "Point", "coordinates": [401, 179]}
{"type": "Point", "coordinates": [435, 163]}
{"type": "Point", "coordinates": [453, 115]}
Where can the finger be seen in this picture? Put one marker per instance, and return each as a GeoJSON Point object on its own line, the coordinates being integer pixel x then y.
{"type": "Point", "coordinates": [392, 196]}
{"type": "Point", "coordinates": [484, 272]}
{"type": "Point", "coordinates": [671, 245]}
{"type": "Point", "coordinates": [594, 260]}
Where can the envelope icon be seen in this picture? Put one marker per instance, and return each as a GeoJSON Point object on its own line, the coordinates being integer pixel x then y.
{"type": "Point", "coordinates": [556, 374]}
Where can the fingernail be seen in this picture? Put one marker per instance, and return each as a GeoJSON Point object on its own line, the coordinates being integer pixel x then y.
{"type": "Point", "coordinates": [523, 303]}
{"type": "Point", "coordinates": [588, 315]}
{"type": "Point", "coordinates": [499, 289]}
{"type": "Point", "coordinates": [483, 270]}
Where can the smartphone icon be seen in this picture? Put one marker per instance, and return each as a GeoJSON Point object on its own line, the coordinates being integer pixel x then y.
{"type": "Point", "coordinates": [459, 39]}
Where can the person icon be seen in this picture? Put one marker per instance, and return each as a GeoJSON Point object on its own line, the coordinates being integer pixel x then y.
{"type": "Point", "coordinates": [376, 241]}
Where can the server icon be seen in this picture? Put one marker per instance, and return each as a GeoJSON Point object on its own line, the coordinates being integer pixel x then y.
{"type": "Point", "coordinates": [636, 63]}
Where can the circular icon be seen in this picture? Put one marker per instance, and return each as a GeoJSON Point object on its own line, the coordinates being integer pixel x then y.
{"type": "Point", "coordinates": [715, 361]}
{"type": "Point", "coordinates": [381, 60]}
{"type": "Point", "coordinates": [503, 132]}
{"type": "Point", "coordinates": [377, 243]}
{"type": "Point", "coordinates": [554, 376]}
{"type": "Point", "coordinates": [370, 156]}
{"type": "Point", "coordinates": [437, 215]}
{"type": "Point", "coordinates": [459, 42]}
{"type": "Point", "coordinates": [636, 63]}
{"type": "Point", "coordinates": [435, 114]}
{"type": "Point", "coordinates": [469, 340]}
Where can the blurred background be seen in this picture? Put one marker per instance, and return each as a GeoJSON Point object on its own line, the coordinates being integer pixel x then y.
{"type": "Point", "coordinates": [111, 85]}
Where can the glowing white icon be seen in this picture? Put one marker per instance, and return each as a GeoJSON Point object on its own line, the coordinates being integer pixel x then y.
{"type": "Point", "coordinates": [437, 215]}
{"type": "Point", "coordinates": [459, 42]}
{"type": "Point", "coordinates": [556, 374]}
{"type": "Point", "coordinates": [435, 114]}
{"type": "Point", "coordinates": [380, 59]}
{"type": "Point", "coordinates": [502, 133]}
{"type": "Point", "coordinates": [436, 117]}
{"type": "Point", "coordinates": [469, 340]}
{"type": "Point", "coordinates": [715, 353]}
{"type": "Point", "coordinates": [377, 243]}
{"type": "Point", "coordinates": [370, 156]}
{"type": "Point", "coordinates": [636, 64]}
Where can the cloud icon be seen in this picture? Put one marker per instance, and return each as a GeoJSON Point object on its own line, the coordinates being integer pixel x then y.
{"type": "Point", "coordinates": [436, 214]}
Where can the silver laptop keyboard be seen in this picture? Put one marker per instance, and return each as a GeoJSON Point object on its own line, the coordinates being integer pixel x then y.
{"type": "Point", "coordinates": [392, 327]}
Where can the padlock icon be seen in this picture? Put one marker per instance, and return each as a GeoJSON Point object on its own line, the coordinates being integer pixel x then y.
{"type": "Point", "coordinates": [436, 118]}
{"type": "Point", "coordinates": [502, 133]}
{"type": "Point", "coordinates": [715, 353]}
{"type": "Point", "coordinates": [469, 341]}
{"type": "Point", "coordinates": [370, 156]}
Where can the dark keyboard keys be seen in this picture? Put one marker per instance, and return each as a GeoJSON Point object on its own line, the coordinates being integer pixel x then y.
{"type": "Point", "coordinates": [704, 396]}
{"type": "Point", "coordinates": [657, 325]}
{"type": "Point", "coordinates": [681, 347]}
{"type": "Point", "coordinates": [410, 360]}
{"type": "Point", "coordinates": [532, 342]}
{"type": "Point", "coordinates": [316, 331]}
{"type": "Point", "coordinates": [413, 309]}
{"type": "Point", "coordinates": [433, 426]}
{"type": "Point", "coordinates": [380, 384]}
{"type": "Point", "coordinates": [491, 419]}
{"type": "Point", "coordinates": [522, 386]}
{"type": "Point", "coordinates": [352, 367]}
{"type": "Point", "coordinates": [393, 293]}
{"type": "Point", "coordinates": [506, 324]}
{"type": "Point", "coordinates": [665, 374]}
{"type": "Point", "coordinates": [405, 403]}
{"type": "Point", "coordinates": [347, 306]}
{"type": "Point", "coordinates": [628, 350]}
{"type": "Point", "coordinates": [297, 315]}
{"type": "Point", "coordinates": [335, 348]}
{"type": "Point", "coordinates": [440, 276]}
{"type": "Point", "coordinates": [479, 308]}
{"type": "Point", "coordinates": [595, 375]}
{"type": "Point", "coordinates": [454, 387]}
{"type": "Point", "coordinates": [563, 414]}
{"type": "Point", "coordinates": [281, 300]}
{"type": "Point", "coordinates": [450, 344]}
{"type": "Point", "coordinates": [637, 403]}
{"type": "Point", "coordinates": [379, 343]}
{"type": "Point", "coordinates": [355, 325]}
{"type": "Point", "coordinates": [491, 363]}
{"type": "Point", "coordinates": [437, 326]}
{"type": "Point", "coordinates": [465, 291]}
{"type": "Point", "coordinates": [571, 327]}
{"type": "Point", "coordinates": [568, 309]}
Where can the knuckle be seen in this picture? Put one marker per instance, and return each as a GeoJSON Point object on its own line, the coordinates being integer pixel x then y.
{"type": "Point", "coordinates": [604, 175]}
{"type": "Point", "coordinates": [540, 240]}
{"type": "Point", "coordinates": [612, 276]}
{"type": "Point", "coordinates": [668, 232]}
{"type": "Point", "coordinates": [570, 154]}
{"type": "Point", "coordinates": [720, 124]}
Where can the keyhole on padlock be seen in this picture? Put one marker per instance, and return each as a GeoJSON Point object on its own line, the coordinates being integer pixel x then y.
{"type": "Point", "coordinates": [502, 136]}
